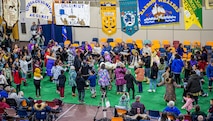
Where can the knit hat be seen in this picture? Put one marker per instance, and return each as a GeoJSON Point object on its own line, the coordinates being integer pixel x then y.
{"type": "Point", "coordinates": [72, 67]}
{"type": "Point", "coordinates": [37, 73]}
{"type": "Point", "coordinates": [171, 104]}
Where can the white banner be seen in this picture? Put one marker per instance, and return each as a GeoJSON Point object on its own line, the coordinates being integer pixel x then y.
{"type": "Point", "coordinates": [72, 14]}
{"type": "Point", "coordinates": [11, 12]}
{"type": "Point", "coordinates": [40, 9]}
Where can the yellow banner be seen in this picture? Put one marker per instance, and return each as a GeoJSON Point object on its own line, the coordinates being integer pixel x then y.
{"type": "Point", "coordinates": [108, 16]}
{"type": "Point", "coordinates": [190, 16]}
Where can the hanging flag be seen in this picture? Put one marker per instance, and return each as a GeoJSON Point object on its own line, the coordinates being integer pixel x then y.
{"type": "Point", "coordinates": [192, 13]}
{"type": "Point", "coordinates": [158, 12]}
{"type": "Point", "coordinates": [108, 16]}
{"type": "Point", "coordinates": [129, 16]}
{"type": "Point", "coordinates": [40, 9]}
{"type": "Point", "coordinates": [11, 12]}
{"type": "Point", "coordinates": [64, 33]}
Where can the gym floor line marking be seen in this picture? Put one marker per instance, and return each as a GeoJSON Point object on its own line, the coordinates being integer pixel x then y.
{"type": "Point", "coordinates": [65, 112]}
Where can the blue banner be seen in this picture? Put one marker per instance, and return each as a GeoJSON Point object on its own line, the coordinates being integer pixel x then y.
{"type": "Point", "coordinates": [129, 16]}
{"type": "Point", "coordinates": [155, 12]}
{"type": "Point", "coordinates": [64, 33]}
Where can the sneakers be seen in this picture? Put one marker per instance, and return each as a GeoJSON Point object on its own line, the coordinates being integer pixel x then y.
{"type": "Point", "coordinates": [151, 90]}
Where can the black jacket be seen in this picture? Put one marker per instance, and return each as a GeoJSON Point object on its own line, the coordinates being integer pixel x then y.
{"type": "Point", "coordinates": [129, 80]}
{"type": "Point", "coordinates": [62, 80]}
{"type": "Point", "coordinates": [154, 73]}
{"type": "Point", "coordinates": [193, 85]}
{"type": "Point", "coordinates": [80, 83]}
{"type": "Point", "coordinates": [147, 61]}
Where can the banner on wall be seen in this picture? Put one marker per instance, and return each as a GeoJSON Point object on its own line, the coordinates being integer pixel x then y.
{"type": "Point", "coordinates": [73, 14]}
{"type": "Point", "coordinates": [39, 9]}
{"type": "Point", "coordinates": [192, 13]}
{"type": "Point", "coordinates": [157, 12]}
{"type": "Point", "coordinates": [209, 4]}
{"type": "Point", "coordinates": [11, 12]}
{"type": "Point", "coordinates": [129, 16]}
{"type": "Point", "coordinates": [108, 16]}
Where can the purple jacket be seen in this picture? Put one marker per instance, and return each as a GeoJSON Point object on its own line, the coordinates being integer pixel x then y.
{"type": "Point", "coordinates": [89, 48]}
{"type": "Point", "coordinates": [49, 65]}
{"type": "Point", "coordinates": [120, 73]}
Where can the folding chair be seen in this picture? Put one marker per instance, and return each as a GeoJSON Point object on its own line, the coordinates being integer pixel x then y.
{"type": "Point", "coordinates": [23, 114]}
{"type": "Point", "coordinates": [67, 43]}
{"type": "Point", "coordinates": [196, 42]}
{"type": "Point", "coordinates": [76, 42]}
{"type": "Point", "coordinates": [117, 119]}
{"type": "Point", "coordinates": [209, 43]}
{"type": "Point", "coordinates": [103, 40]}
{"type": "Point", "coordinates": [155, 42]}
{"type": "Point", "coordinates": [75, 45]}
{"type": "Point", "coordinates": [129, 41]}
{"type": "Point", "coordinates": [83, 43]}
{"type": "Point", "coordinates": [11, 102]}
{"type": "Point", "coordinates": [118, 40]}
{"type": "Point", "coordinates": [95, 39]}
{"type": "Point", "coordinates": [154, 114]}
{"type": "Point", "coordinates": [110, 40]}
{"type": "Point", "coordinates": [54, 107]}
{"type": "Point", "coordinates": [139, 43]}
{"type": "Point", "coordinates": [186, 42]}
{"type": "Point", "coordinates": [10, 113]}
{"type": "Point", "coordinates": [165, 42]}
{"type": "Point", "coordinates": [112, 44]}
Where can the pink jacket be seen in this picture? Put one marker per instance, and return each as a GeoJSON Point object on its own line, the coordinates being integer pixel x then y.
{"type": "Point", "coordinates": [188, 105]}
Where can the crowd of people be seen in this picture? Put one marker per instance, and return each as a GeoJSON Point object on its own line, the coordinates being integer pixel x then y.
{"type": "Point", "coordinates": [115, 65]}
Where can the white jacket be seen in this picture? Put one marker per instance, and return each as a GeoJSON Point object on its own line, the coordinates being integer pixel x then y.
{"type": "Point", "coordinates": [3, 80]}
{"type": "Point", "coordinates": [24, 65]}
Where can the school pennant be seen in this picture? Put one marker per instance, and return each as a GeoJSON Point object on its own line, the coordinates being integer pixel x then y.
{"type": "Point", "coordinates": [129, 16]}
{"type": "Point", "coordinates": [108, 16]}
{"type": "Point", "coordinates": [192, 13]}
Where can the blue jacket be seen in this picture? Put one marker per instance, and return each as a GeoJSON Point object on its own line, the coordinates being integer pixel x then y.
{"type": "Point", "coordinates": [209, 71]}
{"type": "Point", "coordinates": [3, 93]}
{"type": "Point", "coordinates": [180, 51]}
{"type": "Point", "coordinates": [106, 49]}
{"type": "Point", "coordinates": [177, 65]}
{"type": "Point", "coordinates": [92, 79]}
{"type": "Point", "coordinates": [173, 110]}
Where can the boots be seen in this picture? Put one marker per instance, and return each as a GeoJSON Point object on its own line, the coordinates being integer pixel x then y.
{"type": "Point", "coordinates": [25, 83]}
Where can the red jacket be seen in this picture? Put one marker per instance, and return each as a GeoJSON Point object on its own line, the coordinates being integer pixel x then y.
{"type": "Point", "coordinates": [4, 105]}
{"type": "Point", "coordinates": [202, 65]}
{"type": "Point", "coordinates": [17, 77]}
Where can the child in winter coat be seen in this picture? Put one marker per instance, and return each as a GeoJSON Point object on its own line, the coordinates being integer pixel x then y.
{"type": "Point", "coordinates": [62, 80]}
{"type": "Point", "coordinates": [72, 83]}
{"type": "Point", "coordinates": [129, 83]}
{"type": "Point", "coordinates": [139, 73]}
{"type": "Point", "coordinates": [17, 78]}
{"type": "Point", "coordinates": [92, 79]}
{"type": "Point", "coordinates": [80, 87]}
{"type": "Point", "coordinates": [189, 103]}
{"type": "Point", "coordinates": [120, 81]}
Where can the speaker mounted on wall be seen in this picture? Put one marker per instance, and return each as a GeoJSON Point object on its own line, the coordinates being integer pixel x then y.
{"type": "Point", "coordinates": [209, 4]}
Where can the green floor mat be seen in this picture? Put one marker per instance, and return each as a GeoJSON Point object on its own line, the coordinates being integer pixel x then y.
{"type": "Point", "coordinates": [154, 101]}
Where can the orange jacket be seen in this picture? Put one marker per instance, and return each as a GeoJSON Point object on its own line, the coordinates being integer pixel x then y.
{"type": "Point", "coordinates": [139, 74]}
